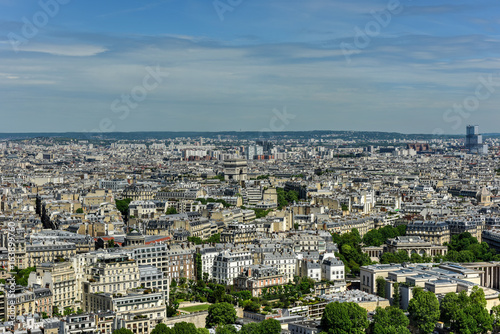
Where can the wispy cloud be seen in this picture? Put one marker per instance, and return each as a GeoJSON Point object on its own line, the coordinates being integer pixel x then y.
{"type": "Point", "coordinates": [75, 50]}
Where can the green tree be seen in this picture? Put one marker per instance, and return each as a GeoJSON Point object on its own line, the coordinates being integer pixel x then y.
{"type": "Point", "coordinates": [220, 314]}
{"type": "Point", "coordinates": [270, 326]}
{"type": "Point", "coordinates": [396, 297]}
{"type": "Point", "coordinates": [162, 329]}
{"type": "Point", "coordinates": [380, 284]}
{"type": "Point", "coordinates": [123, 331]}
{"type": "Point", "coordinates": [111, 243]}
{"type": "Point", "coordinates": [22, 275]}
{"type": "Point", "coordinates": [122, 205]}
{"type": "Point", "coordinates": [251, 306]}
{"type": "Point", "coordinates": [251, 328]}
{"type": "Point", "coordinates": [466, 313]}
{"type": "Point", "coordinates": [424, 310]}
{"type": "Point", "coordinates": [199, 267]}
{"type": "Point", "coordinates": [68, 311]}
{"type": "Point", "coordinates": [202, 331]}
{"type": "Point", "coordinates": [185, 328]}
{"type": "Point", "coordinates": [495, 317]}
{"type": "Point", "coordinates": [171, 211]}
{"type": "Point", "coordinates": [344, 318]}
{"type": "Point", "coordinates": [390, 320]}
{"type": "Point", "coordinates": [226, 329]}
{"type": "Point", "coordinates": [79, 210]}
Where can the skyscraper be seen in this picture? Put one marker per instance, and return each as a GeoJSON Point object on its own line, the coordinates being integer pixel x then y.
{"type": "Point", "coordinates": [474, 141]}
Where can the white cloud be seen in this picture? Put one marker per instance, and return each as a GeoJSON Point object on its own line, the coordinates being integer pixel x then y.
{"type": "Point", "coordinates": [73, 50]}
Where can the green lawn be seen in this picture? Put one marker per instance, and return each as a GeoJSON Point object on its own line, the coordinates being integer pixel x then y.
{"type": "Point", "coordinates": [195, 308]}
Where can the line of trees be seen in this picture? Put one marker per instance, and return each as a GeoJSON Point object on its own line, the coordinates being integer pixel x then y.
{"type": "Point", "coordinates": [462, 313]}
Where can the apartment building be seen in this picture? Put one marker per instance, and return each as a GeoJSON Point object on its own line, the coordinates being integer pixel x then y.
{"type": "Point", "coordinates": [153, 278]}
{"type": "Point", "coordinates": [239, 234]}
{"type": "Point", "coordinates": [229, 264]}
{"type": "Point", "coordinates": [437, 232]}
{"type": "Point", "coordinates": [60, 278]}
{"type": "Point", "coordinates": [139, 302]}
{"type": "Point", "coordinates": [32, 254]}
{"type": "Point", "coordinates": [332, 269]}
{"type": "Point", "coordinates": [207, 255]}
{"type": "Point", "coordinates": [77, 324]}
{"type": "Point", "coordinates": [285, 261]}
{"type": "Point", "coordinates": [114, 274]}
{"type": "Point", "coordinates": [255, 278]}
{"type": "Point", "coordinates": [33, 300]}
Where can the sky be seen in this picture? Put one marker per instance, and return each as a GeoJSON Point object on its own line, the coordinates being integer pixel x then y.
{"type": "Point", "coordinates": [251, 65]}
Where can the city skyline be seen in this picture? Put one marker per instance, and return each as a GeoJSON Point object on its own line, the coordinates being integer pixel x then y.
{"type": "Point", "coordinates": [193, 66]}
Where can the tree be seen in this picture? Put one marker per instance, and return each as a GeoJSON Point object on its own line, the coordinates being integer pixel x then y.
{"type": "Point", "coordinates": [201, 331]}
{"type": "Point", "coordinates": [495, 316]}
{"type": "Point", "coordinates": [68, 311]}
{"type": "Point", "coordinates": [380, 283]}
{"type": "Point", "coordinates": [466, 313]}
{"type": "Point", "coordinates": [270, 326]}
{"type": "Point", "coordinates": [122, 205]}
{"type": "Point", "coordinates": [226, 329]}
{"type": "Point", "coordinates": [171, 211]}
{"type": "Point", "coordinates": [251, 306]}
{"type": "Point", "coordinates": [220, 314]}
{"type": "Point", "coordinates": [111, 243]}
{"type": "Point", "coordinates": [390, 320]}
{"type": "Point", "coordinates": [251, 328]}
{"type": "Point", "coordinates": [396, 297]}
{"type": "Point", "coordinates": [123, 331]}
{"type": "Point", "coordinates": [185, 328]}
{"type": "Point", "coordinates": [79, 210]}
{"type": "Point", "coordinates": [424, 310]}
{"type": "Point", "coordinates": [162, 329]}
{"type": "Point", "coordinates": [344, 318]}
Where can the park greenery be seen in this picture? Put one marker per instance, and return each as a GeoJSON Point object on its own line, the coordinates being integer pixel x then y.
{"type": "Point", "coordinates": [21, 275]}
{"type": "Point", "coordinates": [208, 292]}
{"type": "Point", "coordinates": [390, 320]}
{"type": "Point", "coordinates": [344, 318]}
{"type": "Point", "coordinates": [377, 237]}
{"type": "Point", "coordinates": [466, 313]}
{"type": "Point", "coordinates": [220, 314]}
{"type": "Point", "coordinates": [460, 313]}
{"type": "Point", "coordinates": [424, 310]}
{"type": "Point", "coordinates": [466, 248]}
{"type": "Point", "coordinates": [171, 211]}
{"type": "Point", "coordinates": [350, 253]}
{"type": "Point", "coordinates": [286, 198]}
{"type": "Point", "coordinates": [178, 328]}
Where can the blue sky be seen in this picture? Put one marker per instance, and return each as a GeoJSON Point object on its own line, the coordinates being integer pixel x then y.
{"type": "Point", "coordinates": [405, 66]}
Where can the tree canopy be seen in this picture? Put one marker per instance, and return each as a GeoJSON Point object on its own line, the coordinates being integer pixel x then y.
{"type": "Point", "coordinates": [162, 329]}
{"type": "Point", "coordinates": [464, 247]}
{"type": "Point", "coordinates": [424, 310]}
{"type": "Point", "coordinates": [390, 320]}
{"type": "Point", "coordinates": [122, 205]}
{"type": "Point", "coordinates": [377, 237]}
{"type": "Point", "coordinates": [350, 251]}
{"type": "Point", "coordinates": [220, 314]}
{"type": "Point", "coordinates": [466, 313]}
{"type": "Point", "coordinates": [344, 318]}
